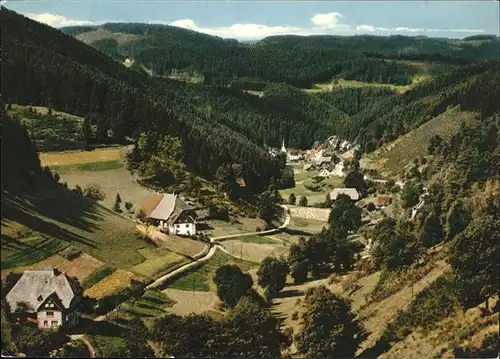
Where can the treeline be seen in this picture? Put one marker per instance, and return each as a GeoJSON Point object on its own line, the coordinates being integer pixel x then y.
{"type": "Point", "coordinates": [352, 100]}
{"type": "Point", "coordinates": [433, 57]}
{"type": "Point", "coordinates": [376, 70]}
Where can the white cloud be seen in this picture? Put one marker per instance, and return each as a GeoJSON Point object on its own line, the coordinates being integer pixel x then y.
{"type": "Point", "coordinates": [365, 28]}
{"type": "Point", "coordinates": [332, 23]}
{"type": "Point", "coordinates": [58, 20]}
{"type": "Point", "coordinates": [185, 23]}
{"type": "Point", "coordinates": [327, 21]}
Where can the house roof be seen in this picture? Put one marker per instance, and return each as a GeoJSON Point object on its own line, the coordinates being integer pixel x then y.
{"type": "Point", "coordinates": [383, 201]}
{"type": "Point", "coordinates": [351, 192]}
{"type": "Point", "coordinates": [149, 203]}
{"type": "Point", "coordinates": [35, 286]}
{"type": "Point", "coordinates": [167, 206]}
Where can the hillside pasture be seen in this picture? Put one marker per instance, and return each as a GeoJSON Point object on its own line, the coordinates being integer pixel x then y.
{"type": "Point", "coordinates": [33, 229]}
{"type": "Point", "coordinates": [112, 181]}
{"type": "Point", "coordinates": [81, 267]}
{"type": "Point", "coordinates": [401, 152]}
{"type": "Point", "coordinates": [158, 262]}
{"type": "Point", "coordinates": [118, 280]}
{"type": "Point", "coordinates": [192, 301]}
{"type": "Point", "coordinates": [67, 158]}
{"type": "Point", "coordinates": [252, 250]}
{"type": "Point", "coordinates": [100, 34]}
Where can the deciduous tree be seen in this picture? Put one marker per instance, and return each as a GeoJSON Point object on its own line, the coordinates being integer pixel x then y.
{"type": "Point", "coordinates": [329, 328]}
{"type": "Point", "coordinates": [232, 284]}
{"type": "Point", "coordinates": [272, 274]}
{"type": "Point", "coordinates": [474, 259]}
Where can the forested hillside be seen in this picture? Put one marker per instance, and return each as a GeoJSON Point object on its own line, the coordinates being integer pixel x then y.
{"type": "Point", "coordinates": [43, 66]}
{"type": "Point", "coordinates": [300, 61]}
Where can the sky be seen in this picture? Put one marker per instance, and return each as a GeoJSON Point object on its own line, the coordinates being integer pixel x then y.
{"type": "Point", "coordinates": [252, 20]}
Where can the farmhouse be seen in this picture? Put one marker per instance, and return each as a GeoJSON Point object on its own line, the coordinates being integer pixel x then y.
{"type": "Point", "coordinates": [169, 212]}
{"type": "Point", "coordinates": [351, 192]}
{"type": "Point", "coordinates": [43, 297]}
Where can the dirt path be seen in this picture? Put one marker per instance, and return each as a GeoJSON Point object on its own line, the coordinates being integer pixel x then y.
{"type": "Point", "coordinates": [85, 341]}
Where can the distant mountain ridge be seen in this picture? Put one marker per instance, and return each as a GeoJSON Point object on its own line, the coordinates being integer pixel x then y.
{"type": "Point", "coordinates": [296, 60]}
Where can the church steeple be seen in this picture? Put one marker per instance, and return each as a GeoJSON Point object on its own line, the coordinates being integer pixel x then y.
{"type": "Point", "coordinates": [283, 148]}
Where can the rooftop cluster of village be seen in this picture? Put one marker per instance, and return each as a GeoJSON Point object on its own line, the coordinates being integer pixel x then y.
{"type": "Point", "coordinates": [329, 157]}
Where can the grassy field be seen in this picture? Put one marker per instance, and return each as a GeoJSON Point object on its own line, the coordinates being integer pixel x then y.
{"type": "Point", "coordinates": [153, 303]}
{"type": "Point", "coordinates": [398, 154]}
{"type": "Point", "coordinates": [99, 34]}
{"type": "Point", "coordinates": [158, 262]}
{"type": "Point", "coordinates": [118, 280]}
{"type": "Point", "coordinates": [97, 276]}
{"type": "Point", "coordinates": [312, 197]}
{"type": "Point", "coordinates": [34, 229]}
{"type": "Point", "coordinates": [301, 175]}
{"type": "Point", "coordinates": [112, 181]}
{"type": "Point", "coordinates": [90, 166]}
{"type": "Point", "coordinates": [200, 279]}
{"type": "Point", "coordinates": [55, 159]}
{"type": "Point", "coordinates": [257, 239]}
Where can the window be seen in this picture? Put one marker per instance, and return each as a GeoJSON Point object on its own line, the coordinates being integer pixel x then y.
{"type": "Point", "coordinates": [54, 323]}
{"type": "Point", "coordinates": [187, 225]}
{"type": "Point", "coordinates": [50, 314]}
{"type": "Point", "coordinates": [45, 322]}
{"type": "Point", "coordinates": [176, 226]}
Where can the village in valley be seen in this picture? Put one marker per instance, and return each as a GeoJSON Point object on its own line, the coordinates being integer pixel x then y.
{"type": "Point", "coordinates": [296, 196]}
{"type": "Point", "coordinates": [184, 237]}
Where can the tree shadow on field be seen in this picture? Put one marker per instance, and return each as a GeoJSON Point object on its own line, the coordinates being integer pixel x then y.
{"type": "Point", "coordinates": [37, 211]}
{"type": "Point", "coordinates": [290, 293]}
{"type": "Point", "coordinates": [295, 232]}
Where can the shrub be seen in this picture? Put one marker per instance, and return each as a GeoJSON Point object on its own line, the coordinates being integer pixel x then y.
{"type": "Point", "coordinates": [295, 315]}
{"type": "Point", "coordinates": [128, 206]}
{"type": "Point", "coordinates": [95, 192]}
{"type": "Point", "coordinates": [141, 215]}
{"type": "Point", "coordinates": [71, 253]}
{"type": "Point", "coordinates": [57, 177]}
{"type": "Point", "coordinates": [370, 207]}
{"type": "Point", "coordinates": [78, 190]}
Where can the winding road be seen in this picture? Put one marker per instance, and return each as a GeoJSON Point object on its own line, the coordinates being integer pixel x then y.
{"type": "Point", "coordinates": [214, 243]}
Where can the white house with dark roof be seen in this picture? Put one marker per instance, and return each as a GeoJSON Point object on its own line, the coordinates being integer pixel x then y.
{"type": "Point", "coordinates": [49, 297]}
{"type": "Point", "coordinates": [169, 212]}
